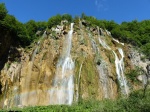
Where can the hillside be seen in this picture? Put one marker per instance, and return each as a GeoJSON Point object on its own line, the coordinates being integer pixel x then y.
{"type": "Point", "coordinates": [66, 61]}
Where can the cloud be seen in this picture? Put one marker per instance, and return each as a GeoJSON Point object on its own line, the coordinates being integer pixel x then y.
{"type": "Point", "coordinates": [101, 5]}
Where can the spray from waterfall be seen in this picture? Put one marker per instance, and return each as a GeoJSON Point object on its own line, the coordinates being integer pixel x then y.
{"type": "Point", "coordinates": [25, 99]}
{"type": "Point", "coordinates": [63, 84]}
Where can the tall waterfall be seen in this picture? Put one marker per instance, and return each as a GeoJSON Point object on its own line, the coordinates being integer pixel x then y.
{"type": "Point", "coordinates": [119, 66]}
{"type": "Point", "coordinates": [120, 72]}
{"type": "Point", "coordinates": [63, 84]}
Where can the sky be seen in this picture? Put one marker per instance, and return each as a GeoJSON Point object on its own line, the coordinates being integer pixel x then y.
{"type": "Point", "coordinates": [42, 10]}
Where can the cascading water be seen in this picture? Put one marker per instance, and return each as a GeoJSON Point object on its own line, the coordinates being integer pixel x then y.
{"type": "Point", "coordinates": [119, 66]}
{"type": "Point", "coordinates": [63, 84]}
{"type": "Point", "coordinates": [77, 93]}
{"type": "Point", "coordinates": [94, 45]}
{"type": "Point", "coordinates": [103, 72]}
{"type": "Point", "coordinates": [117, 41]}
{"type": "Point", "coordinates": [101, 41]}
{"type": "Point", "coordinates": [120, 72]}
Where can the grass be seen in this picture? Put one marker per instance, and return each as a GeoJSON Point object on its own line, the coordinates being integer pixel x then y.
{"type": "Point", "coordinates": [134, 103]}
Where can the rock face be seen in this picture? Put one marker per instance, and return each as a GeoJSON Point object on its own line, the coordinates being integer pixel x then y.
{"type": "Point", "coordinates": [87, 61]}
{"type": "Point", "coordinates": [136, 61]}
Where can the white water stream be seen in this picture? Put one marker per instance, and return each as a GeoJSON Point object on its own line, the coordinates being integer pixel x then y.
{"type": "Point", "coordinates": [63, 84]}
{"type": "Point", "coordinates": [120, 72]}
{"type": "Point", "coordinates": [119, 63]}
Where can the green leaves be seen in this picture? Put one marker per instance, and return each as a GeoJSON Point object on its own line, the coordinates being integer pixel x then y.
{"type": "Point", "coordinates": [3, 11]}
{"type": "Point", "coordinates": [146, 49]}
{"type": "Point", "coordinates": [134, 103]}
{"type": "Point", "coordinates": [67, 17]}
{"type": "Point", "coordinates": [55, 20]}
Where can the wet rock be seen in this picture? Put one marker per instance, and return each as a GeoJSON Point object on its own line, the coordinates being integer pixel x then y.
{"type": "Point", "coordinates": [148, 69]}
{"type": "Point", "coordinates": [130, 56]}
{"type": "Point", "coordinates": [84, 23]}
{"type": "Point", "coordinates": [98, 63]}
{"type": "Point", "coordinates": [65, 32]}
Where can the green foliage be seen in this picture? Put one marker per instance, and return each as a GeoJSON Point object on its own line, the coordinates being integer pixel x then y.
{"type": "Point", "coordinates": [67, 17]}
{"type": "Point", "coordinates": [31, 27]}
{"type": "Point", "coordinates": [76, 19]}
{"type": "Point", "coordinates": [53, 21]}
{"type": "Point", "coordinates": [134, 32]}
{"type": "Point", "coordinates": [132, 74]}
{"type": "Point", "coordinates": [134, 103]}
{"type": "Point", "coordinates": [41, 25]}
{"type": "Point", "coordinates": [3, 11]}
{"type": "Point", "coordinates": [146, 49]}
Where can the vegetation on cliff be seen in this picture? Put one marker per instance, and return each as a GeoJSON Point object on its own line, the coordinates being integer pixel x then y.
{"type": "Point", "coordinates": [134, 32]}
{"type": "Point", "coordinates": [135, 103]}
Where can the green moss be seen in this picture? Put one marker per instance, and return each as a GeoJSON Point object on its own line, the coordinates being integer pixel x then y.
{"type": "Point", "coordinates": [132, 75]}
{"type": "Point", "coordinates": [90, 76]}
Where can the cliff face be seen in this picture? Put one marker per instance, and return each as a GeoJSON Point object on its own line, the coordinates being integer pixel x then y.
{"type": "Point", "coordinates": [66, 66]}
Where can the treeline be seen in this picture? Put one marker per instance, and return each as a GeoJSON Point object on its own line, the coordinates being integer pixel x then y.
{"type": "Point", "coordinates": [24, 34]}
{"type": "Point", "coordinates": [135, 33]}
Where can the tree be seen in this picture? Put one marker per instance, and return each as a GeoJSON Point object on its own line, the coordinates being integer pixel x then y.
{"type": "Point", "coordinates": [53, 21]}
{"type": "Point", "coordinates": [31, 27]}
{"type": "Point", "coordinates": [41, 25]}
{"type": "Point", "coordinates": [67, 17]}
{"type": "Point", "coordinates": [3, 11]}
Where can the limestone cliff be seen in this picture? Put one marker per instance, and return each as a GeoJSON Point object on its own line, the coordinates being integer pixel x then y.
{"type": "Point", "coordinates": [97, 62]}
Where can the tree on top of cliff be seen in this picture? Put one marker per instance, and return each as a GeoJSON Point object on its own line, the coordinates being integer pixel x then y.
{"type": "Point", "coordinates": [3, 11]}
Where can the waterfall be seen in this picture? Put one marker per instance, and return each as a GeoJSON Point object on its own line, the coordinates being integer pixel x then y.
{"type": "Point", "coordinates": [101, 41]}
{"type": "Point", "coordinates": [101, 68]}
{"type": "Point", "coordinates": [63, 84]}
{"type": "Point", "coordinates": [119, 66]}
{"type": "Point", "coordinates": [77, 94]}
{"type": "Point", "coordinates": [5, 105]}
{"type": "Point", "coordinates": [120, 72]}
{"type": "Point", "coordinates": [118, 41]}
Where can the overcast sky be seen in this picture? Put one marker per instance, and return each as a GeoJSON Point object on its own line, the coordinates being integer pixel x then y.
{"type": "Point", "coordinates": [42, 10]}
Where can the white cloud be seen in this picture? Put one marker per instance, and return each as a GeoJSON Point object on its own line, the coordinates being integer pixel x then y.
{"type": "Point", "coordinates": [101, 5]}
